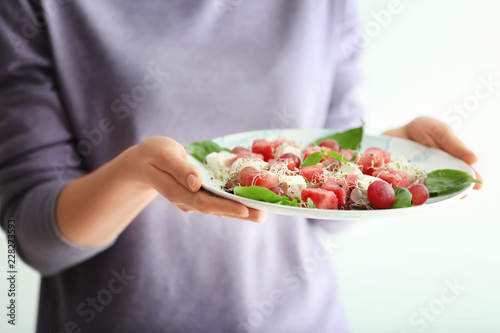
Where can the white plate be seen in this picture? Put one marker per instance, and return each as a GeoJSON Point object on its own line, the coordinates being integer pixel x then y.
{"type": "Point", "coordinates": [432, 159]}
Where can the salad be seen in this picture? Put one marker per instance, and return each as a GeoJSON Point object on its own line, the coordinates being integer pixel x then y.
{"type": "Point", "coordinates": [329, 173]}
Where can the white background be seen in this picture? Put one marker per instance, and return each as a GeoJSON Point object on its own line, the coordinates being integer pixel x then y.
{"type": "Point", "coordinates": [430, 56]}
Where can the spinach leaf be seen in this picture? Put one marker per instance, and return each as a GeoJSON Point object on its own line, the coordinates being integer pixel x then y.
{"type": "Point", "coordinates": [338, 156]}
{"type": "Point", "coordinates": [350, 139]}
{"type": "Point", "coordinates": [403, 197]}
{"type": "Point", "coordinates": [264, 194]}
{"type": "Point", "coordinates": [313, 159]}
{"type": "Point", "coordinates": [447, 181]}
{"type": "Point", "coordinates": [310, 203]}
{"type": "Point", "coordinates": [201, 149]}
{"type": "Point", "coordinates": [316, 157]}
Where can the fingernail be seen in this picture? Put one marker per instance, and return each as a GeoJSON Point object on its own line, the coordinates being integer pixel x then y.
{"type": "Point", "coordinates": [191, 182]}
{"type": "Point", "coordinates": [261, 219]}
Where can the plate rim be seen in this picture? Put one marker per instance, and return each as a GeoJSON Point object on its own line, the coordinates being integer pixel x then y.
{"type": "Point", "coordinates": [335, 214]}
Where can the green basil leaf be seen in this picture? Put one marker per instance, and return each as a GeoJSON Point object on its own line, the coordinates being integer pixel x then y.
{"type": "Point", "coordinates": [447, 181]}
{"type": "Point", "coordinates": [310, 203]}
{"type": "Point", "coordinates": [201, 149]}
{"type": "Point", "coordinates": [402, 199]}
{"type": "Point", "coordinates": [350, 139]}
{"type": "Point", "coordinates": [313, 159]}
{"type": "Point", "coordinates": [338, 156]}
{"type": "Point", "coordinates": [265, 195]}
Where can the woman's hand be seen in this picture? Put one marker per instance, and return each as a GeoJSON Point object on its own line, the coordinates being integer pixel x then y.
{"type": "Point", "coordinates": [434, 133]}
{"type": "Point", "coordinates": [95, 209]}
{"type": "Point", "coordinates": [162, 164]}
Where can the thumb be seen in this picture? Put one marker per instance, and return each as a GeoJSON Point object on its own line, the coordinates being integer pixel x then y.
{"type": "Point", "coordinates": [173, 160]}
{"type": "Point", "coordinates": [186, 173]}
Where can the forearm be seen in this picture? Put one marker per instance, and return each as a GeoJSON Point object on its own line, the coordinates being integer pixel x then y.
{"type": "Point", "coordinates": [93, 210]}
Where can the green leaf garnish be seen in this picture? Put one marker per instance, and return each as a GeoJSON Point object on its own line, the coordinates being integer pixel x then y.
{"type": "Point", "coordinates": [402, 198]}
{"type": "Point", "coordinates": [350, 139]}
{"type": "Point", "coordinates": [201, 149]}
{"type": "Point", "coordinates": [447, 181]}
{"type": "Point", "coordinates": [313, 159]}
{"type": "Point", "coordinates": [310, 203]}
{"type": "Point", "coordinates": [336, 155]}
{"type": "Point", "coordinates": [265, 195]}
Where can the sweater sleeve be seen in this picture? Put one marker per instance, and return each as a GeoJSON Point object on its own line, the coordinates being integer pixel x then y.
{"type": "Point", "coordinates": [345, 110]}
{"type": "Point", "coordinates": [37, 145]}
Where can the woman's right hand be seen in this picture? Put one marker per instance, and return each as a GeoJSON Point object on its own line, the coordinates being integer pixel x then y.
{"type": "Point", "coordinates": [162, 164]}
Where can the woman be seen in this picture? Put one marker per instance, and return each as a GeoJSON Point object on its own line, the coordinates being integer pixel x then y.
{"type": "Point", "coordinates": [97, 99]}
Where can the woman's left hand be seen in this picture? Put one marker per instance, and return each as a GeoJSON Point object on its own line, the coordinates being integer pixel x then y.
{"type": "Point", "coordinates": [434, 133]}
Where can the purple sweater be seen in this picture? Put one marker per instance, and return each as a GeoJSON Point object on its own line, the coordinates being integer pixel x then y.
{"type": "Point", "coordinates": [80, 81]}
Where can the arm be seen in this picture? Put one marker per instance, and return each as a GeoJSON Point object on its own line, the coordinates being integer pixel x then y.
{"type": "Point", "coordinates": [61, 223]}
{"type": "Point", "coordinates": [93, 210]}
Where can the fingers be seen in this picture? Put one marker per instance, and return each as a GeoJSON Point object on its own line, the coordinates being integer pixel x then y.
{"type": "Point", "coordinates": [445, 139]}
{"type": "Point", "coordinates": [399, 132]}
{"type": "Point", "coordinates": [178, 194]}
{"type": "Point", "coordinates": [257, 215]}
{"type": "Point", "coordinates": [179, 181]}
{"type": "Point", "coordinates": [434, 133]}
{"type": "Point", "coordinates": [254, 214]}
{"type": "Point", "coordinates": [172, 160]}
{"type": "Point", "coordinates": [185, 209]}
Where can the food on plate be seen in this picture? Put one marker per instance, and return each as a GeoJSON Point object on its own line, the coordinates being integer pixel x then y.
{"type": "Point", "coordinates": [329, 173]}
